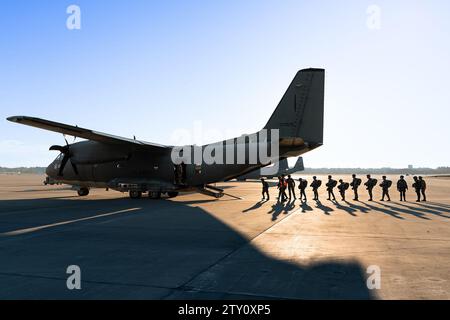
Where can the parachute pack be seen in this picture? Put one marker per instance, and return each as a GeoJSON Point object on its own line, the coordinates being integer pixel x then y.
{"type": "Point", "coordinates": [316, 184]}
{"type": "Point", "coordinates": [346, 185]}
{"type": "Point", "coordinates": [388, 183]}
{"type": "Point", "coordinates": [333, 183]}
{"type": "Point", "coordinates": [358, 182]}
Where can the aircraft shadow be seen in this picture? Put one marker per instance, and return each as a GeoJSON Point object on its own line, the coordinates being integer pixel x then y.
{"type": "Point", "coordinates": [146, 249]}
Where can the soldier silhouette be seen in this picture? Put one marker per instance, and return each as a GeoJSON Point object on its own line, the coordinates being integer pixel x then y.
{"type": "Point", "coordinates": [343, 186]}
{"type": "Point", "coordinates": [402, 186]}
{"type": "Point", "coordinates": [370, 184]}
{"type": "Point", "coordinates": [417, 185]}
{"type": "Point", "coordinates": [291, 187]}
{"type": "Point", "coordinates": [315, 185]}
{"type": "Point", "coordinates": [282, 185]}
{"type": "Point", "coordinates": [385, 185]}
{"type": "Point", "coordinates": [423, 187]}
{"type": "Point", "coordinates": [356, 182]}
{"type": "Point", "coordinates": [331, 184]}
{"type": "Point", "coordinates": [302, 184]}
{"type": "Point", "coordinates": [265, 189]}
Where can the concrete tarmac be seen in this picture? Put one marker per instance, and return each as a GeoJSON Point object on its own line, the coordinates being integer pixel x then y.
{"type": "Point", "coordinates": [194, 247]}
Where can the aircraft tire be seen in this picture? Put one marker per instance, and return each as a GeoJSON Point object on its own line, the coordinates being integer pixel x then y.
{"type": "Point", "coordinates": [135, 194]}
{"type": "Point", "coordinates": [172, 194]}
{"type": "Point", "coordinates": [83, 192]}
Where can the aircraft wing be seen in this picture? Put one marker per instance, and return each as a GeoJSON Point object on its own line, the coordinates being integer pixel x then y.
{"type": "Point", "coordinates": [80, 132]}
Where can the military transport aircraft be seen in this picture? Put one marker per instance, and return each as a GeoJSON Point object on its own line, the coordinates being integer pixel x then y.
{"type": "Point", "coordinates": [137, 167]}
{"type": "Point", "coordinates": [270, 173]}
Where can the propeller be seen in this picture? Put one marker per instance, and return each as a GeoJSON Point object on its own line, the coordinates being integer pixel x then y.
{"type": "Point", "coordinates": [65, 150]}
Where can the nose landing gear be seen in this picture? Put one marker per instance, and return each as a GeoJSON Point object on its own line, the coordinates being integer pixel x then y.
{"type": "Point", "coordinates": [135, 194]}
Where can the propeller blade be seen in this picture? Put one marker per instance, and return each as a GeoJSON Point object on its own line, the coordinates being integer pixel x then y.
{"type": "Point", "coordinates": [74, 167]}
{"type": "Point", "coordinates": [62, 149]}
{"type": "Point", "coordinates": [65, 150]}
{"type": "Point", "coordinates": [63, 164]}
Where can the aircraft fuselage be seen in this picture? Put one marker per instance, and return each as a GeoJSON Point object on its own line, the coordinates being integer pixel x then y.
{"type": "Point", "coordinates": [124, 167]}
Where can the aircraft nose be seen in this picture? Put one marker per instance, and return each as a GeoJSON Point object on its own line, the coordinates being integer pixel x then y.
{"type": "Point", "coordinates": [51, 171]}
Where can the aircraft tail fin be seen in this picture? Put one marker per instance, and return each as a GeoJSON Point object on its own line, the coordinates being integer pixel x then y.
{"type": "Point", "coordinates": [299, 165]}
{"type": "Point", "coordinates": [299, 115]}
{"type": "Point", "coordinates": [283, 165]}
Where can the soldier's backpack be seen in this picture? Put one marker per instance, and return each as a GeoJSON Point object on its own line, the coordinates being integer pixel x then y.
{"type": "Point", "coordinates": [304, 184]}
{"type": "Point", "coordinates": [319, 183]}
{"type": "Point", "coordinates": [373, 182]}
{"type": "Point", "coordinates": [402, 185]}
{"type": "Point", "coordinates": [346, 186]}
{"type": "Point", "coordinates": [388, 183]}
{"type": "Point", "coordinates": [333, 183]}
{"type": "Point", "coordinates": [358, 182]}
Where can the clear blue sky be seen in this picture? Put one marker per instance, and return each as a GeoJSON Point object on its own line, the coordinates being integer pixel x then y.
{"type": "Point", "coordinates": [153, 68]}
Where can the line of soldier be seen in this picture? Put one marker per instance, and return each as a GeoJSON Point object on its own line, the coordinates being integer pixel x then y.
{"type": "Point", "coordinates": [288, 183]}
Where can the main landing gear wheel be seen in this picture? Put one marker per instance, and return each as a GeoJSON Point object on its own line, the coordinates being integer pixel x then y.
{"type": "Point", "coordinates": [154, 194]}
{"type": "Point", "coordinates": [172, 194]}
{"type": "Point", "coordinates": [135, 194]}
{"type": "Point", "coordinates": [83, 192]}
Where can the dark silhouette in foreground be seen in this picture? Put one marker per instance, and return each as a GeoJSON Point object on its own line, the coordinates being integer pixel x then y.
{"type": "Point", "coordinates": [162, 249]}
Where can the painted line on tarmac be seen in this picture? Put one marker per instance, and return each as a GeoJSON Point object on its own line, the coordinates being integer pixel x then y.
{"type": "Point", "coordinates": [47, 226]}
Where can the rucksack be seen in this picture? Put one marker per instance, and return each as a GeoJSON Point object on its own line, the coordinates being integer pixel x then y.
{"type": "Point", "coordinates": [319, 183]}
{"type": "Point", "coordinates": [358, 182]}
{"type": "Point", "coordinates": [346, 186]}
{"type": "Point", "coordinates": [333, 183]}
{"type": "Point", "coordinates": [388, 183]}
{"type": "Point", "coordinates": [304, 184]}
{"type": "Point", "coordinates": [373, 182]}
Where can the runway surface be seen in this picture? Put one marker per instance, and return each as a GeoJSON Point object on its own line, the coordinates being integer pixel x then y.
{"type": "Point", "coordinates": [195, 247]}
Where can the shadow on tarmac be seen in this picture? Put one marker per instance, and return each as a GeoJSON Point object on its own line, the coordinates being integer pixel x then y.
{"type": "Point", "coordinates": [398, 210]}
{"type": "Point", "coordinates": [151, 249]}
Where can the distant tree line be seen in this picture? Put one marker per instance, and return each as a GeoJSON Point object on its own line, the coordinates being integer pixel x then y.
{"type": "Point", "coordinates": [24, 170]}
{"type": "Point", "coordinates": [438, 170]}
